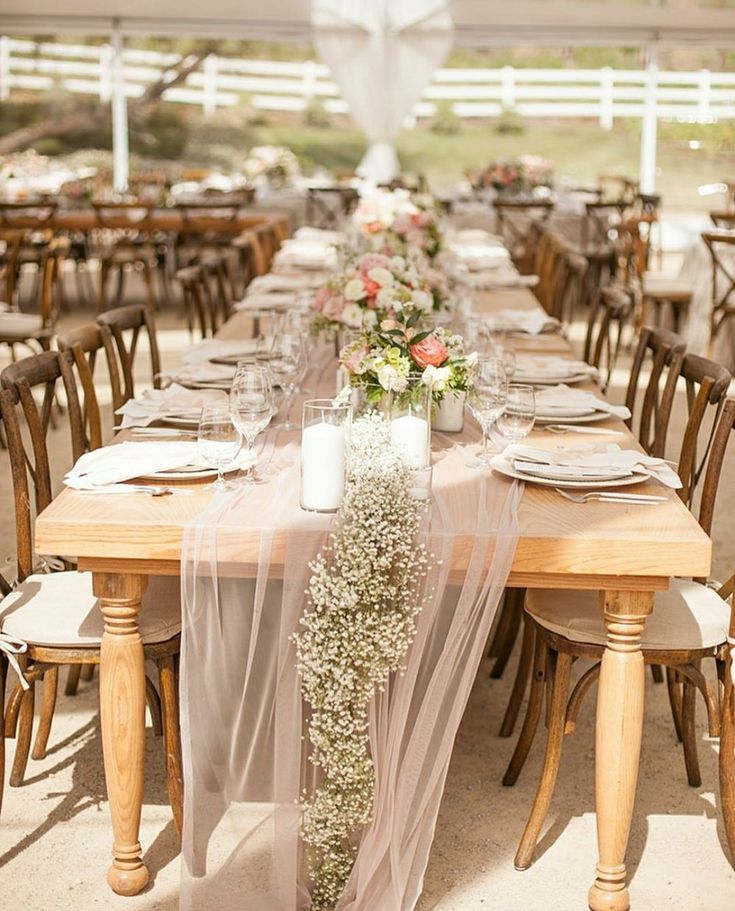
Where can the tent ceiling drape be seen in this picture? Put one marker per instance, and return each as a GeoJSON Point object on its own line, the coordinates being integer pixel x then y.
{"type": "Point", "coordinates": [477, 22]}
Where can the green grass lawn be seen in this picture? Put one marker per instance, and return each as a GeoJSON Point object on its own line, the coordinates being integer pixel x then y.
{"type": "Point", "coordinates": [579, 149]}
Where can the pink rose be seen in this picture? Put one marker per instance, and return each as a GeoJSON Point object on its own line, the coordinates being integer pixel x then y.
{"type": "Point", "coordinates": [431, 352]}
{"type": "Point", "coordinates": [333, 306]}
{"type": "Point", "coordinates": [353, 359]}
{"type": "Point", "coordinates": [402, 224]}
{"type": "Point", "coordinates": [373, 261]}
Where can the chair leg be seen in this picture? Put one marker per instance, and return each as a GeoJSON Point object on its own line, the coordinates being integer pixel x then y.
{"type": "Point", "coordinates": [503, 621]}
{"type": "Point", "coordinates": [674, 686]}
{"type": "Point", "coordinates": [23, 738]}
{"type": "Point", "coordinates": [50, 687]}
{"type": "Point", "coordinates": [689, 734]}
{"type": "Point", "coordinates": [581, 688]}
{"type": "Point", "coordinates": [520, 684]}
{"type": "Point", "coordinates": [154, 706]}
{"type": "Point", "coordinates": [102, 290]}
{"type": "Point", "coordinates": [514, 609]}
{"type": "Point", "coordinates": [148, 278]}
{"type": "Point", "coordinates": [120, 284]}
{"type": "Point", "coordinates": [533, 710]}
{"type": "Point", "coordinates": [87, 672]}
{"type": "Point", "coordinates": [727, 756]}
{"type": "Point", "coordinates": [172, 739]}
{"type": "Point", "coordinates": [552, 757]}
{"type": "Point", "coordinates": [657, 673]}
{"type": "Point", "coordinates": [72, 679]}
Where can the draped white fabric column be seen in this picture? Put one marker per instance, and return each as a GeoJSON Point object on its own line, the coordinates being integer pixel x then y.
{"type": "Point", "coordinates": [382, 54]}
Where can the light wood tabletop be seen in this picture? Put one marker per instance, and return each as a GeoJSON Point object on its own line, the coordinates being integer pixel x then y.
{"type": "Point", "coordinates": [626, 553]}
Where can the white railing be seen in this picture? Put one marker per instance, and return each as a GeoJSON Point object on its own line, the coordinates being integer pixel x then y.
{"type": "Point", "coordinates": [604, 94]}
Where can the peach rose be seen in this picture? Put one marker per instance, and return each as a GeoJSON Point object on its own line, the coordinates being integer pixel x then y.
{"type": "Point", "coordinates": [430, 352]}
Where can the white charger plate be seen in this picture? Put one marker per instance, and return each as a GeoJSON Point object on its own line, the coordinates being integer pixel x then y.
{"type": "Point", "coordinates": [197, 472]}
{"type": "Point", "coordinates": [504, 467]}
{"type": "Point", "coordinates": [589, 417]}
{"type": "Point", "coordinates": [537, 380]}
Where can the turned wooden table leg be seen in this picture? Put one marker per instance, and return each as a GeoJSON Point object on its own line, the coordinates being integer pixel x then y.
{"type": "Point", "coordinates": [618, 742]}
{"type": "Point", "coordinates": [122, 712]}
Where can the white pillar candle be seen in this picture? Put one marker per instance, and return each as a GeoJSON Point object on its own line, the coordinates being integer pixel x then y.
{"type": "Point", "coordinates": [322, 466]}
{"type": "Point", "coordinates": [411, 435]}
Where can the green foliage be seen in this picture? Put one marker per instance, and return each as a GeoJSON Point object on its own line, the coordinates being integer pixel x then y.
{"type": "Point", "coordinates": [445, 121]}
{"type": "Point", "coordinates": [163, 133]}
{"type": "Point", "coordinates": [316, 115]}
{"type": "Point", "coordinates": [509, 123]}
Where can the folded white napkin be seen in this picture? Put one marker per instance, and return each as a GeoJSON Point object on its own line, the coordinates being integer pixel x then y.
{"type": "Point", "coordinates": [272, 300]}
{"type": "Point", "coordinates": [549, 367]}
{"type": "Point", "coordinates": [589, 462]}
{"type": "Point", "coordinates": [125, 461]}
{"type": "Point", "coordinates": [205, 350]}
{"type": "Point", "coordinates": [194, 374]}
{"type": "Point", "coordinates": [157, 404]}
{"type": "Point", "coordinates": [477, 236]}
{"type": "Point", "coordinates": [532, 322]}
{"type": "Point", "coordinates": [307, 254]}
{"type": "Point", "coordinates": [320, 235]}
{"type": "Point", "coordinates": [564, 398]}
{"type": "Point", "coordinates": [271, 282]}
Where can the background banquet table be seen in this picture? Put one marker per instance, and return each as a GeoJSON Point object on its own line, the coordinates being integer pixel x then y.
{"type": "Point", "coordinates": [626, 553]}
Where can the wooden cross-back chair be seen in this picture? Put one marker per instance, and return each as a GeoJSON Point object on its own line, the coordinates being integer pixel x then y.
{"type": "Point", "coordinates": [608, 317]}
{"type": "Point", "coordinates": [128, 245]}
{"type": "Point", "coordinates": [11, 240]}
{"type": "Point", "coordinates": [690, 624]}
{"type": "Point", "coordinates": [35, 213]}
{"type": "Point", "coordinates": [327, 206]}
{"type": "Point", "coordinates": [567, 290]}
{"type": "Point", "coordinates": [55, 614]}
{"type": "Point", "coordinates": [199, 307]}
{"type": "Point", "coordinates": [662, 353]}
{"type": "Point", "coordinates": [86, 345]}
{"type": "Point", "coordinates": [37, 329]}
{"type": "Point", "coordinates": [121, 331]}
{"type": "Point", "coordinates": [721, 247]}
{"type": "Point", "coordinates": [244, 246]}
{"type": "Point", "coordinates": [513, 218]}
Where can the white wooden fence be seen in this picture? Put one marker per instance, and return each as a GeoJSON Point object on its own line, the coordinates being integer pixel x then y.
{"type": "Point", "coordinates": [603, 94]}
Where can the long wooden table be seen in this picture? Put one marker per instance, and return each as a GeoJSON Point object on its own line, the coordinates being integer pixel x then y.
{"type": "Point", "coordinates": [627, 553]}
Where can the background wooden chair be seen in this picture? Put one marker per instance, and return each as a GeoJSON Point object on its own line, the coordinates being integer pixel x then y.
{"type": "Point", "coordinates": [608, 318]}
{"type": "Point", "coordinates": [56, 613]}
{"type": "Point", "coordinates": [691, 622]}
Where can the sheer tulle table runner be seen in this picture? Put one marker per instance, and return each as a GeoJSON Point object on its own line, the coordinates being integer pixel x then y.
{"type": "Point", "coordinates": [243, 721]}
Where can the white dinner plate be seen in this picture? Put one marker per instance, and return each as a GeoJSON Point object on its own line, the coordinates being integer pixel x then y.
{"type": "Point", "coordinates": [186, 420]}
{"type": "Point", "coordinates": [504, 467]}
{"type": "Point", "coordinates": [588, 417]}
{"type": "Point", "coordinates": [197, 472]}
{"type": "Point", "coordinates": [540, 380]}
{"type": "Point", "coordinates": [224, 385]}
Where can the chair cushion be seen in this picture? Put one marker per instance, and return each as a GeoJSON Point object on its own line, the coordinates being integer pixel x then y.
{"type": "Point", "coordinates": [20, 325]}
{"type": "Point", "coordinates": [667, 288]}
{"type": "Point", "coordinates": [687, 616]}
{"type": "Point", "coordinates": [59, 609]}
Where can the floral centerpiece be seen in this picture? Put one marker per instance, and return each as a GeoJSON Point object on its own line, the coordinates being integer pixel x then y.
{"type": "Point", "coordinates": [394, 223]}
{"type": "Point", "coordinates": [370, 289]}
{"type": "Point", "coordinates": [272, 166]}
{"type": "Point", "coordinates": [519, 175]}
{"type": "Point", "coordinates": [387, 359]}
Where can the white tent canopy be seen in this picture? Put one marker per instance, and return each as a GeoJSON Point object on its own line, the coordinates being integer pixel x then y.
{"type": "Point", "coordinates": [476, 22]}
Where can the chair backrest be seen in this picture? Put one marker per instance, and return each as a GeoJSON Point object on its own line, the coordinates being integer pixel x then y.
{"type": "Point", "coordinates": [599, 220]}
{"type": "Point", "coordinates": [28, 451]}
{"type": "Point", "coordinates": [608, 317]}
{"type": "Point", "coordinates": [707, 384]}
{"type": "Point", "coordinates": [247, 268]}
{"type": "Point", "coordinates": [115, 325]}
{"type": "Point", "coordinates": [11, 241]}
{"type": "Point", "coordinates": [84, 344]}
{"type": "Point", "coordinates": [199, 306]}
{"type": "Point", "coordinates": [217, 266]}
{"type": "Point", "coordinates": [513, 222]}
{"type": "Point", "coordinates": [35, 213]}
{"type": "Point", "coordinates": [663, 351]}
{"type": "Point", "coordinates": [327, 206]}
{"type": "Point", "coordinates": [49, 284]}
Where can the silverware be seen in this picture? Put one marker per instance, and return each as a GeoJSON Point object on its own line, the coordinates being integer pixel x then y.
{"type": "Point", "coordinates": [151, 490]}
{"type": "Point", "coordinates": [155, 432]}
{"type": "Point", "coordinates": [611, 496]}
{"type": "Point", "coordinates": [580, 428]}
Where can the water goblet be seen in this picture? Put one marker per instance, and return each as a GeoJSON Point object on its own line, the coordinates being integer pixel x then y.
{"type": "Point", "coordinates": [218, 440]}
{"type": "Point", "coordinates": [487, 402]}
{"type": "Point", "coordinates": [251, 404]}
{"type": "Point", "coordinates": [519, 414]}
{"type": "Point", "coordinates": [288, 366]}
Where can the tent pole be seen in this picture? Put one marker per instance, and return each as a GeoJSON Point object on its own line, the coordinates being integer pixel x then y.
{"type": "Point", "coordinates": [649, 125]}
{"type": "Point", "coordinates": [120, 163]}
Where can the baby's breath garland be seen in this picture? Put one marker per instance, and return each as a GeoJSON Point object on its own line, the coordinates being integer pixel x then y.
{"type": "Point", "coordinates": [364, 595]}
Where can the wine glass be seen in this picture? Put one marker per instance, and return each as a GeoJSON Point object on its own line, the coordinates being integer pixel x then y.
{"type": "Point", "coordinates": [517, 419]}
{"type": "Point", "coordinates": [288, 366]}
{"type": "Point", "coordinates": [251, 403]}
{"type": "Point", "coordinates": [218, 440]}
{"type": "Point", "coordinates": [506, 355]}
{"type": "Point", "coordinates": [487, 402]}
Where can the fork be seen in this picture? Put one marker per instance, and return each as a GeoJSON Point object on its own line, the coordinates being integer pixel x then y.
{"type": "Point", "coordinates": [611, 496]}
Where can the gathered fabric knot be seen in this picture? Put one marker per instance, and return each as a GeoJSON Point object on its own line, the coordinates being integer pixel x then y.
{"type": "Point", "coordinates": [11, 648]}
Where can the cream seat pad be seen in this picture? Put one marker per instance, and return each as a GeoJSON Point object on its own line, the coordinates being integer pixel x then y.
{"type": "Point", "coordinates": [687, 616]}
{"type": "Point", "coordinates": [59, 609]}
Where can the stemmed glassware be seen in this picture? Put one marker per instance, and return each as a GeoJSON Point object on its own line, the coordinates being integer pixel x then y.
{"type": "Point", "coordinates": [517, 419]}
{"type": "Point", "coordinates": [487, 402]}
{"type": "Point", "coordinates": [218, 440]}
{"type": "Point", "coordinates": [251, 404]}
{"type": "Point", "coordinates": [288, 366]}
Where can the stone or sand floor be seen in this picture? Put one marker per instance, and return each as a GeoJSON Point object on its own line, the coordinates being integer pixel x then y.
{"type": "Point", "coordinates": [55, 834]}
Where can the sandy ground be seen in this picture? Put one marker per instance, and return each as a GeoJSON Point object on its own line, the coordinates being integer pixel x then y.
{"type": "Point", "coordinates": [55, 833]}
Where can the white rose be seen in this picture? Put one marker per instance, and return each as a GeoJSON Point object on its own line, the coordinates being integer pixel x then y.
{"type": "Point", "coordinates": [381, 276]}
{"type": "Point", "coordinates": [352, 316]}
{"type": "Point", "coordinates": [354, 289]}
{"type": "Point", "coordinates": [422, 300]}
{"type": "Point", "coordinates": [435, 377]}
{"type": "Point", "coordinates": [388, 378]}
{"type": "Point", "coordinates": [398, 263]}
{"type": "Point", "coordinates": [384, 298]}
{"type": "Point", "coordinates": [369, 319]}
